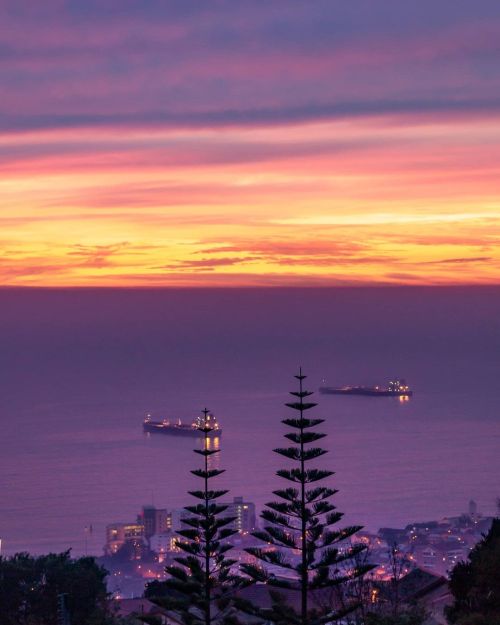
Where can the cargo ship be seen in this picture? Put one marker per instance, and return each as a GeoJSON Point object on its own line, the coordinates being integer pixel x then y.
{"type": "Point", "coordinates": [177, 428]}
{"type": "Point", "coordinates": [396, 388]}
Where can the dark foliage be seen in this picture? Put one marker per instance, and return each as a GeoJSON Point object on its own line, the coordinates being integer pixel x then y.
{"type": "Point", "coordinates": [409, 616]}
{"type": "Point", "coordinates": [475, 584]}
{"type": "Point", "coordinates": [302, 521]}
{"type": "Point", "coordinates": [30, 586]}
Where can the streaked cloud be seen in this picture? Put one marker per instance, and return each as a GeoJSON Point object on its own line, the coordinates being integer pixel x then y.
{"type": "Point", "coordinates": [229, 143]}
{"type": "Point", "coordinates": [207, 264]}
{"type": "Point", "coordinates": [95, 255]}
{"type": "Point", "coordinates": [460, 261]}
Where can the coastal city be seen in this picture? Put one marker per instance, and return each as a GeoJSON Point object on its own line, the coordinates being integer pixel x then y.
{"type": "Point", "coordinates": [137, 552]}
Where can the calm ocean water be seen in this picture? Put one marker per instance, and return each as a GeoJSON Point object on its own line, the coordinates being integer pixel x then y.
{"type": "Point", "coordinates": [79, 370]}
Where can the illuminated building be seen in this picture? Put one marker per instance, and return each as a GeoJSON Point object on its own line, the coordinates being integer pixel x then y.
{"type": "Point", "coordinates": [117, 534]}
{"type": "Point", "coordinates": [244, 511]}
{"type": "Point", "coordinates": [164, 543]}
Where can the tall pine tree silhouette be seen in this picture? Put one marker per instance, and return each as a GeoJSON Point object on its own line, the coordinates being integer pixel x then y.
{"type": "Point", "coordinates": [201, 585]}
{"type": "Point", "coordinates": [301, 522]}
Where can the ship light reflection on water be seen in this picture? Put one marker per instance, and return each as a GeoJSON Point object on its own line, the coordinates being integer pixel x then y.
{"type": "Point", "coordinates": [212, 443]}
{"type": "Point", "coordinates": [404, 398]}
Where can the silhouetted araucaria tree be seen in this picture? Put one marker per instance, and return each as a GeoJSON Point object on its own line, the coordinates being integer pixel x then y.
{"type": "Point", "coordinates": [300, 535]}
{"type": "Point", "coordinates": [201, 584]}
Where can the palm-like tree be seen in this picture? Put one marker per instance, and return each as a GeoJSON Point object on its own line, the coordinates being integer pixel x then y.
{"type": "Point", "coordinates": [302, 522]}
{"type": "Point", "coordinates": [201, 584]}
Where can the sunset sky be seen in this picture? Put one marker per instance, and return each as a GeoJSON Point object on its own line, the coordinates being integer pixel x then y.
{"type": "Point", "coordinates": [224, 143]}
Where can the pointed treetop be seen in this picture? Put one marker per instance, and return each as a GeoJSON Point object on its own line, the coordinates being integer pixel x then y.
{"type": "Point", "coordinates": [300, 376]}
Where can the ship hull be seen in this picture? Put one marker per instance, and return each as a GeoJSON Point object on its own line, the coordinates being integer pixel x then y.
{"type": "Point", "coordinates": [174, 430]}
{"type": "Point", "coordinates": [367, 392]}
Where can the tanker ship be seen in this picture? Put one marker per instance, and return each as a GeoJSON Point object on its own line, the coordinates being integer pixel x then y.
{"type": "Point", "coordinates": [177, 428]}
{"type": "Point", "coordinates": [396, 388]}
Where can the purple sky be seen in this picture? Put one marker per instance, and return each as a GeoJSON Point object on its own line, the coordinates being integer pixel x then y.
{"type": "Point", "coordinates": [194, 63]}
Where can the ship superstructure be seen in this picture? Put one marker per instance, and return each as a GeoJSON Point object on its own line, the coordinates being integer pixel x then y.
{"type": "Point", "coordinates": [176, 428]}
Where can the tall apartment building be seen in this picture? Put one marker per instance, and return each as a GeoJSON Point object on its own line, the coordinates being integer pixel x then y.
{"type": "Point", "coordinates": [176, 517]}
{"type": "Point", "coordinates": [244, 511]}
{"type": "Point", "coordinates": [155, 520]}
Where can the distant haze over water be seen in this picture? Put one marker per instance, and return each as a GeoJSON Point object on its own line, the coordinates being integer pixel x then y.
{"type": "Point", "coordinates": [81, 368]}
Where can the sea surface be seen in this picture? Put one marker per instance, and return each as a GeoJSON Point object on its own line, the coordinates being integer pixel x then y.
{"type": "Point", "coordinates": [81, 368]}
